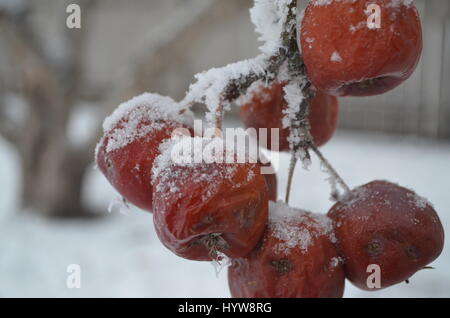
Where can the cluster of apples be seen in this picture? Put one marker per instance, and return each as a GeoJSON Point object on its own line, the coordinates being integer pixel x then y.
{"type": "Point", "coordinates": [343, 57]}
{"type": "Point", "coordinates": [206, 211]}
{"type": "Point", "coordinates": [199, 209]}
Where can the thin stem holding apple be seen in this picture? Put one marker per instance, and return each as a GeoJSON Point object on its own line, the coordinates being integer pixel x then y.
{"type": "Point", "coordinates": [330, 169]}
{"type": "Point", "coordinates": [269, 69]}
{"type": "Point", "coordinates": [291, 172]}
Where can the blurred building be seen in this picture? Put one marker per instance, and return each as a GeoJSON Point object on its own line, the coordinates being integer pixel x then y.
{"type": "Point", "coordinates": [159, 45]}
{"type": "Point", "coordinates": [421, 106]}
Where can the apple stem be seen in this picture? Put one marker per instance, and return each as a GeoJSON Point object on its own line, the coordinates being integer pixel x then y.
{"type": "Point", "coordinates": [292, 166]}
{"type": "Point", "coordinates": [219, 119]}
{"type": "Point", "coordinates": [330, 168]}
{"type": "Point", "coordinates": [214, 243]}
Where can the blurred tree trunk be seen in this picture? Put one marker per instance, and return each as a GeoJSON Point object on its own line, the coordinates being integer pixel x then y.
{"type": "Point", "coordinates": [52, 183]}
{"type": "Point", "coordinates": [52, 167]}
{"type": "Point", "coordinates": [52, 172]}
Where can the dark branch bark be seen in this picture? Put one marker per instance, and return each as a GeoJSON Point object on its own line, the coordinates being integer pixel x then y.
{"type": "Point", "coordinates": [239, 87]}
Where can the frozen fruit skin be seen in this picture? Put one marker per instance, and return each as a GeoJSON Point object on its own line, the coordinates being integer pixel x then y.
{"type": "Point", "coordinates": [126, 153]}
{"type": "Point", "coordinates": [323, 117]}
{"type": "Point", "coordinates": [190, 216]}
{"type": "Point", "coordinates": [202, 209]}
{"type": "Point", "coordinates": [129, 169]}
{"type": "Point", "coordinates": [265, 107]}
{"type": "Point", "coordinates": [343, 57]}
{"type": "Point", "coordinates": [278, 268]}
{"type": "Point", "coordinates": [382, 223]}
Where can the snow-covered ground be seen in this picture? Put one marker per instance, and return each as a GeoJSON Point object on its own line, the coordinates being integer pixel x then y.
{"type": "Point", "coordinates": [120, 255]}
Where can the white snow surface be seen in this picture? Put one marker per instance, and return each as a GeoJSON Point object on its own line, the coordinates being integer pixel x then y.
{"type": "Point", "coordinates": [121, 256]}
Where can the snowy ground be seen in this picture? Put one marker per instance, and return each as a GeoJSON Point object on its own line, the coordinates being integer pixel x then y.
{"type": "Point", "coordinates": [120, 255]}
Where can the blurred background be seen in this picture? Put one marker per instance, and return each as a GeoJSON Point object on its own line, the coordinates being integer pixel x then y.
{"type": "Point", "coordinates": [57, 84]}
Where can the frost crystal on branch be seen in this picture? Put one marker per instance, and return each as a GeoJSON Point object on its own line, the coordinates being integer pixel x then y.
{"type": "Point", "coordinates": [211, 86]}
{"type": "Point", "coordinates": [296, 119]}
{"type": "Point", "coordinates": [281, 60]}
{"type": "Point", "coordinates": [294, 97]}
{"type": "Point", "coordinates": [218, 87]}
{"type": "Point", "coordinates": [271, 20]}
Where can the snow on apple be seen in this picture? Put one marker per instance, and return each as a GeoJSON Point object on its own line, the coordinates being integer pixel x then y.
{"type": "Point", "coordinates": [208, 209]}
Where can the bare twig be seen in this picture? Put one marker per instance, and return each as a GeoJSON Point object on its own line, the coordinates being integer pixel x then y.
{"type": "Point", "coordinates": [219, 118]}
{"type": "Point", "coordinates": [300, 126]}
{"type": "Point", "coordinates": [292, 166]}
{"type": "Point", "coordinates": [330, 168]}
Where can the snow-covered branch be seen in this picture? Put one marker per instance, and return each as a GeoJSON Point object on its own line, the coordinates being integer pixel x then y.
{"type": "Point", "coordinates": [218, 87]}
